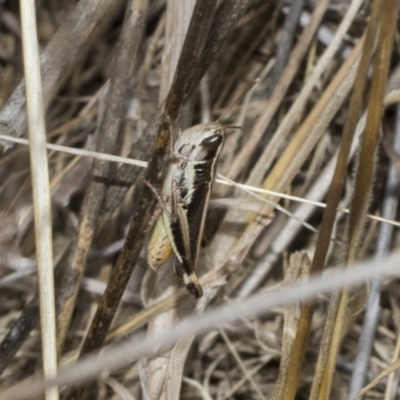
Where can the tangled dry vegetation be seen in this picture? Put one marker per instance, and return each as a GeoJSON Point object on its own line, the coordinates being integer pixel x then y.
{"type": "Point", "coordinates": [314, 86]}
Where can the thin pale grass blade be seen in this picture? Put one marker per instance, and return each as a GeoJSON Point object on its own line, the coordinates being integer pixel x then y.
{"type": "Point", "coordinates": [81, 152]}
{"type": "Point", "coordinates": [134, 348]}
{"type": "Point", "coordinates": [41, 193]}
{"type": "Point", "coordinates": [244, 187]}
{"type": "Point", "coordinates": [222, 180]}
{"type": "Point", "coordinates": [276, 206]}
{"type": "Point", "coordinates": [363, 182]}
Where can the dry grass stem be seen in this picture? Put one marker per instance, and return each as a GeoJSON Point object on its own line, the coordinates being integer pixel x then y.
{"type": "Point", "coordinates": [41, 193]}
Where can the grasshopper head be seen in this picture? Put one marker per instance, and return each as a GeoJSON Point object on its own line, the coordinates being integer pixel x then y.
{"type": "Point", "coordinates": [201, 142]}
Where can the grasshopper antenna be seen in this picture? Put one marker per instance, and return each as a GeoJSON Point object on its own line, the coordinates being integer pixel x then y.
{"type": "Point", "coordinates": [233, 127]}
{"type": "Point", "coordinates": [236, 102]}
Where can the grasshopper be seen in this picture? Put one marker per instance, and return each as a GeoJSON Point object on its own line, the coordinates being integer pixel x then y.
{"type": "Point", "coordinates": [185, 198]}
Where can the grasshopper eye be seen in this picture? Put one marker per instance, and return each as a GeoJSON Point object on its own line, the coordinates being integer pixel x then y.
{"type": "Point", "coordinates": [212, 141]}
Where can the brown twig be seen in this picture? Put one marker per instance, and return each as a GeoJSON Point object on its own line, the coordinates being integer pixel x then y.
{"type": "Point", "coordinates": [106, 143]}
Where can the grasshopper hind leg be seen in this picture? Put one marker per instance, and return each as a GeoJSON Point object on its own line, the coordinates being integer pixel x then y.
{"type": "Point", "coordinates": [190, 280]}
